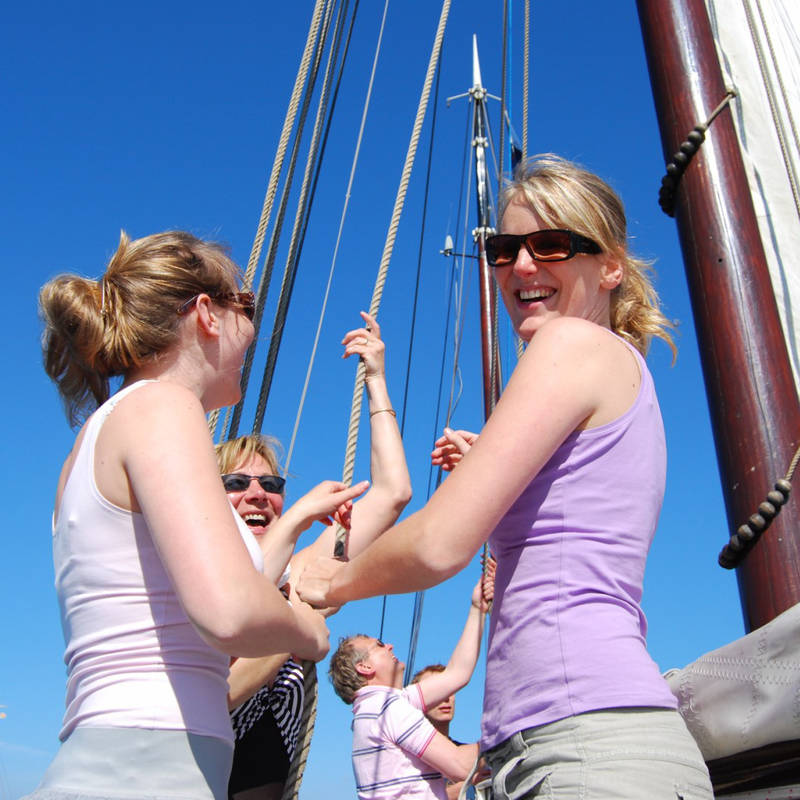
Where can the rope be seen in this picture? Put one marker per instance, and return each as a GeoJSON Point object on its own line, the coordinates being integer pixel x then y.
{"type": "Point", "coordinates": [680, 161]}
{"type": "Point", "coordinates": [291, 787]}
{"type": "Point", "coordinates": [773, 104]}
{"type": "Point", "coordinates": [213, 417]}
{"type": "Point", "coordinates": [290, 268]}
{"type": "Point", "coordinates": [358, 390]}
{"type": "Point", "coordinates": [742, 542]}
{"type": "Point", "coordinates": [266, 275]}
{"type": "Point", "coordinates": [297, 768]}
{"type": "Point", "coordinates": [323, 310]}
{"type": "Point", "coordinates": [288, 123]}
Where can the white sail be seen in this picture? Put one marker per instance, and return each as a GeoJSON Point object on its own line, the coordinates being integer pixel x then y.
{"type": "Point", "coordinates": [744, 695]}
{"type": "Point", "coordinates": [758, 43]}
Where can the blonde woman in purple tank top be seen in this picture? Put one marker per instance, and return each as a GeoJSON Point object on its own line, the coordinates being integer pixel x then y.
{"type": "Point", "coordinates": [574, 705]}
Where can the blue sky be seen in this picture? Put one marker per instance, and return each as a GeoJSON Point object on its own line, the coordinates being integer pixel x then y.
{"type": "Point", "coordinates": [159, 116]}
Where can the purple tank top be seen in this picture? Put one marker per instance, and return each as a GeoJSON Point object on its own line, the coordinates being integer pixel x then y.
{"type": "Point", "coordinates": [567, 633]}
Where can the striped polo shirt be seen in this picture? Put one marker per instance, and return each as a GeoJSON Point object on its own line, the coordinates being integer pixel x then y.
{"type": "Point", "coordinates": [390, 734]}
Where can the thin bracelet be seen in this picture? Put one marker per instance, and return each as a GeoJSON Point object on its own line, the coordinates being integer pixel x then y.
{"type": "Point", "coordinates": [381, 410]}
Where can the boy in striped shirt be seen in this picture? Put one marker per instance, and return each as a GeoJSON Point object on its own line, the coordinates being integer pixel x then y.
{"type": "Point", "coordinates": [397, 753]}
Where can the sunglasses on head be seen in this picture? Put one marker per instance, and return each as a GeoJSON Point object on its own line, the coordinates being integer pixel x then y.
{"type": "Point", "coordinates": [239, 482]}
{"type": "Point", "coordinates": [246, 301]}
{"type": "Point", "coordinates": [546, 245]}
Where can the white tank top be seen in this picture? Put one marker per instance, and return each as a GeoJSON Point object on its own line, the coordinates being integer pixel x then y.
{"type": "Point", "coordinates": [133, 658]}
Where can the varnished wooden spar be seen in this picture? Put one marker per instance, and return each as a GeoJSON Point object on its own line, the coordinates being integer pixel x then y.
{"type": "Point", "coordinates": [751, 392]}
{"type": "Point", "coordinates": [489, 349]}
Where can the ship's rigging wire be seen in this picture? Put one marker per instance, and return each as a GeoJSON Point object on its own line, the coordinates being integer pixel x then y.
{"type": "Point", "coordinates": [358, 390]}
{"type": "Point", "coordinates": [455, 295]}
{"type": "Point", "coordinates": [338, 238]}
{"type": "Point", "coordinates": [526, 47]}
{"type": "Point", "coordinates": [310, 682]}
{"type": "Point", "coordinates": [419, 596]}
{"type": "Point", "coordinates": [266, 275]}
{"type": "Point", "coordinates": [460, 293]}
{"type": "Point", "coordinates": [319, 32]}
{"type": "Point", "coordinates": [407, 381]}
{"type": "Point", "coordinates": [525, 77]}
{"type": "Point", "coordinates": [290, 267]}
{"type": "Point", "coordinates": [503, 91]}
{"type": "Point", "coordinates": [500, 177]}
{"type": "Point", "coordinates": [288, 123]}
{"type": "Point", "coordinates": [277, 165]}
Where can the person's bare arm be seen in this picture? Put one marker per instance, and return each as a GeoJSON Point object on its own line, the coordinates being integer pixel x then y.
{"type": "Point", "coordinates": [155, 436]}
{"type": "Point", "coordinates": [248, 675]}
{"type": "Point", "coordinates": [451, 447]}
{"type": "Point", "coordinates": [278, 544]}
{"type": "Point", "coordinates": [436, 686]}
{"type": "Point", "coordinates": [390, 489]}
{"type": "Point", "coordinates": [454, 761]}
{"type": "Point", "coordinates": [560, 384]}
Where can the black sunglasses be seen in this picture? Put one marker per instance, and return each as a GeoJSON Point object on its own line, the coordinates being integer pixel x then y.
{"type": "Point", "coordinates": [239, 482]}
{"type": "Point", "coordinates": [244, 300]}
{"type": "Point", "coordinates": [546, 245]}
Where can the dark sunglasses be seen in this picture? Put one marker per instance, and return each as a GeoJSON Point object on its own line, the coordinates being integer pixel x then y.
{"type": "Point", "coordinates": [545, 245]}
{"type": "Point", "coordinates": [239, 482]}
{"type": "Point", "coordinates": [244, 300]}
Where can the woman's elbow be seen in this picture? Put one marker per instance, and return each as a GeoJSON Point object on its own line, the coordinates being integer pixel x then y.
{"type": "Point", "coordinates": [314, 644]}
{"type": "Point", "coordinates": [443, 560]}
{"type": "Point", "coordinates": [401, 496]}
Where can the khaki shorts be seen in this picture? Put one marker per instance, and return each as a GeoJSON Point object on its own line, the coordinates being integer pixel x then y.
{"type": "Point", "coordinates": [622, 754]}
{"type": "Point", "coordinates": [128, 763]}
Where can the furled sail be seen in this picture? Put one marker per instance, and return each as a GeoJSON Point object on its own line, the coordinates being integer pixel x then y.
{"type": "Point", "coordinates": [758, 44]}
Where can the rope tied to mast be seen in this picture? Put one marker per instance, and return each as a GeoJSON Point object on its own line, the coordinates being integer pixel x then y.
{"type": "Point", "coordinates": [680, 161]}
{"type": "Point", "coordinates": [741, 542]}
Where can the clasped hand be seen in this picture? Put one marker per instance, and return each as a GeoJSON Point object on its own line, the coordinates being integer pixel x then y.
{"type": "Point", "coordinates": [451, 447]}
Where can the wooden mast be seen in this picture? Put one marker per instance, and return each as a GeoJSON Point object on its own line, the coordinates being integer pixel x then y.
{"type": "Point", "coordinates": [751, 391]}
{"type": "Point", "coordinates": [489, 350]}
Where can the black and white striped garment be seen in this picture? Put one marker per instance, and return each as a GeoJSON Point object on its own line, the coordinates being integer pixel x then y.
{"type": "Point", "coordinates": [246, 715]}
{"type": "Point", "coordinates": [286, 703]}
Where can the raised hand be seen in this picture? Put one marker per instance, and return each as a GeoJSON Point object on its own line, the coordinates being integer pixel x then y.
{"type": "Point", "coordinates": [367, 344]}
{"type": "Point", "coordinates": [451, 447]}
{"type": "Point", "coordinates": [483, 593]}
